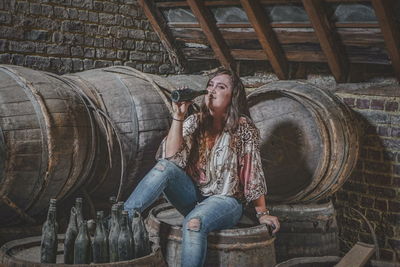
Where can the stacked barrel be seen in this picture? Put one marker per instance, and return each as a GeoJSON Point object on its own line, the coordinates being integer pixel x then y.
{"type": "Point", "coordinates": [309, 147]}
{"type": "Point", "coordinates": [95, 132]}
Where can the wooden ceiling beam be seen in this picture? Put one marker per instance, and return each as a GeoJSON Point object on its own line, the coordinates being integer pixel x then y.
{"type": "Point", "coordinates": [327, 36]}
{"type": "Point", "coordinates": [161, 28]}
{"type": "Point", "coordinates": [213, 35]}
{"type": "Point", "coordinates": [237, 2]}
{"type": "Point", "coordinates": [266, 37]}
{"type": "Point", "coordinates": [390, 30]}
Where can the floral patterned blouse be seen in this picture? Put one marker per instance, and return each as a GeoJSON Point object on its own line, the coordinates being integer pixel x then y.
{"type": "Point", "coordinates": [232, 166]}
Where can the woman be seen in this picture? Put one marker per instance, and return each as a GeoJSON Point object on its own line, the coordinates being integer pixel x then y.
{"type": "Point", "coordinates": [210, 164]}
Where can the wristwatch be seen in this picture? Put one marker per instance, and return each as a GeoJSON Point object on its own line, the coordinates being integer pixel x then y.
{"type": "Point", "coordinates": [259, 214]}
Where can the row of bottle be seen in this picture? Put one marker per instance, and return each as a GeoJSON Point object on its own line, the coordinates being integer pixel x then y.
{"type": "Point", "coordinates": [113, 240]}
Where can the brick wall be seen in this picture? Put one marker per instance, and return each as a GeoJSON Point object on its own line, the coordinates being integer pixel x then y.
{"type": "Point", "coordinates": [374, 187]}
{"type": "Point", "coordinates": [64, 36]}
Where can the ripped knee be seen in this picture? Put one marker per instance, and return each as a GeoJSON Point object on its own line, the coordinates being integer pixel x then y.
{"type": "Point", "coordinates": [194, 224]}
{"type": "Point", "coordinates": [160, 166]}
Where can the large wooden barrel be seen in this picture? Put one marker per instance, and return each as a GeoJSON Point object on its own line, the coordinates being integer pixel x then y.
{"type": "Point", "coordinates": [307, 230]}
{"type": "Point", "coordinates": [236, 247]}
{"type": "Point", "coordinates": [309, 140]}
{"type": "Point", "coordinates": [135, 104]}
{"type": "Point", "coordinates": [26, 252]}
{"type": "Point", "coordinates": [47, 142]}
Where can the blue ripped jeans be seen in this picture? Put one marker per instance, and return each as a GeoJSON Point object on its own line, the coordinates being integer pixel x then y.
{"type": "Point", "coordinates": [202, 214]}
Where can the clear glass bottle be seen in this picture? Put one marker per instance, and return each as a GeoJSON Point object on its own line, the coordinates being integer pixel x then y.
{"type": "Point", "coordinates": [125, 242]}
{"type": "Point", "coordinates": [49, 242]}
{"type": "Point", "coordinates": [100, 241]}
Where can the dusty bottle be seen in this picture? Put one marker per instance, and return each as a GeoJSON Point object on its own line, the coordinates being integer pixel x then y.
{"type": "Point", "coordinates": [186, 94]}
{"type": "Point", "coordinates": [141, 243]}
{"type": "Point", "coordinates": [114, 234]}
{"type": "Point", "coordinates": [48, 244]}
{"type": "Point", "coordinates": [125, 242]}
{"type": "Point", "coordinates": [79, 212]}
{"type": "Point", "coordinates": [100, 241]}
{"type": "Point", "coordinates": [53, 203]}
{"type": "Point", "coordinates": [82, 248]}
{"type": "Point", "coordinates": [70, 236]}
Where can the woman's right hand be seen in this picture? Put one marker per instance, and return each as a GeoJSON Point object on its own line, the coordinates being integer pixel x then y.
{"type": "Point", "coordinates": [180, 109]}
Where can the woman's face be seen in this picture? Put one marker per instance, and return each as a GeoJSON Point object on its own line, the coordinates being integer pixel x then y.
{"type": "Point", "coordinates": [219, 94]}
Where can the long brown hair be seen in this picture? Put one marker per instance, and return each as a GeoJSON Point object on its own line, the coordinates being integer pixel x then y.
{"type": "Point", "coordinates": [237, 108]}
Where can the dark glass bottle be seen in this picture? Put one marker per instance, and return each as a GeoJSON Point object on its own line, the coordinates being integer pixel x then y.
{"type": "Point", "coordinates": [114, 234]}
{"type": "Point", "coordinates": [53, 203]}
{"type": "Point", "coordinates": [186, 94]}
{"type": "Point", "coordinates": [48, 244]}
{"type": "Point", "coordinates": [79, 212]}
{"type": "Point", "coordinates": [70, 236]}
{"type": "Point", "coordinates": [100, 241]}
{"type": "Point", "coordinates": [82, 246]}
{"type": "Point", "coordinates": [141, 243]}
{"type": "Point", "coordinates": [125, 242]}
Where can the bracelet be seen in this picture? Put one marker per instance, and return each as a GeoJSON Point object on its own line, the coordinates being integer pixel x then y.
{"type": "Point", "coordinates": [177, 119]}
{"type": "Point", "coordinates": [259, 214]}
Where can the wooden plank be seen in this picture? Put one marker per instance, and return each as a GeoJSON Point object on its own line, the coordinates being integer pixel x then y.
{"type": "Point", "coordinates": [331, 46]}
{"type": "Point", "coordinates": [359, 254]}
{"type": "Point", "coordinates": [161, 28]}
{"type": "Point", "coordinates": [267, 38]}
{"type": "Point", "coordinates": [390, 30]}
{"type": "Point", "coordinates": [236, 2]}
{"type": "Point", "coordinates": [275, 25]}
{"type": "Point", "coordinates": [217, 43]}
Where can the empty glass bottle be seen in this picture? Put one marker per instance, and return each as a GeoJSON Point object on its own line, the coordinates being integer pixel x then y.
{"type": "Point", "coordinates": [100, 241]}
{"type": "Point", "coordinates": [70, 236]}
{"type": "Point", "coordinates": [114, 234]}
{"type": "Point", "coordinates": [79, 212]}
{"type": "Point", "coordinates": [48, 244]}
{"type": "Point", "coordinates": [53, 203]}
{"type": "Point", "coordinates": [141, 243]}
{"type": "Point", "coordinates": [125, 242]}
{"type": "Point", "coordinates": [82, 246]}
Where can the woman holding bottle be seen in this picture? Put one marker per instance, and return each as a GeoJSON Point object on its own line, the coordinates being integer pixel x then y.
{"type": "Point", "coordinates": [209, 166]}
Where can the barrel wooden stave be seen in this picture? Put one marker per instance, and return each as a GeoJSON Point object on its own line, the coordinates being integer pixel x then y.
{"type": "Point", "coordinates": [252, 246]}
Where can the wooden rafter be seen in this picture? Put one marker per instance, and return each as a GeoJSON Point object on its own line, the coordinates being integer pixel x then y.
{"type": "Point", "coordinates": [266, 36]}
{"type": "Point", "coordinates": [390, 30]}
{"type": "Point", "coordinates": [214, 37]}
{"type": "Point", "coordinates": [326, 34]}
{"type": "Point", "coordinates": [161, 28]}
{"type": "Point", "coordinates": [237, 2]}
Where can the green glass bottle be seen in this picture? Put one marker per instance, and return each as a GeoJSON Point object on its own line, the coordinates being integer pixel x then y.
{"type": "Point", "coordinates": [114, 234]}
{"type": "Point", "coordinates": [82, 246]}
{"type": "Point", "coordinates": [79, 211]}
{"type": "Point", "coordinates": [125, 242]}
{"type": "Point", "coordinates": [70, 236]}
{"type": "Point", "coordinates": [48, 244]}
{"type": "Point", "coordinates": [100, 241]}
{"type": "Point", "coordinates": [141, 243]}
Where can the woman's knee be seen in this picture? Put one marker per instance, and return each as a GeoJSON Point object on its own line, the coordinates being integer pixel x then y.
{"type": "Point", "coordinates": [194, 224]}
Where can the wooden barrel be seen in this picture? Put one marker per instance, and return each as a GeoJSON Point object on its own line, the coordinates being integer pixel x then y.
{"type": "Point", "coordinates": [307, 230]}
{"type": "Point", "coordinates": [309, 140]}
{"type": "Point", "coordinates": [237, 247]}
{"type": "Point", "coordinates": [47, 142]}
{"type": "Point", "coordinates": [136, 106]}
{"type": "Point", "coordinates": [26, 252]}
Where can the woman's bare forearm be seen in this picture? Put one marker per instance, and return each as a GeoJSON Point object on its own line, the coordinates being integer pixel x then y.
{"type": "Point", "coordinates": [174, 138]}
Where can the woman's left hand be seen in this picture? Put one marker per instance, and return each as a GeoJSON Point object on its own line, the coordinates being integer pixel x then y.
{"type": "Point", "coordinates": [271, 221]}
